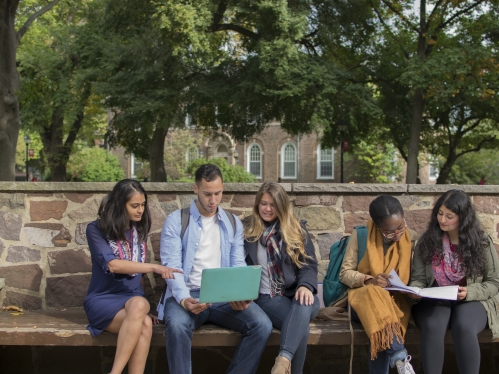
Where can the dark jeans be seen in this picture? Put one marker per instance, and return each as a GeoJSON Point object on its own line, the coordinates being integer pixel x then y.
{"type": "Point", "coordinates": [466, 320]}
{"type": "Point", "coordinates": [252, 322]}
{"type": "Point", "coordinates": [386, 358]}
{"type": "Point", "coordinates": [293, 320]}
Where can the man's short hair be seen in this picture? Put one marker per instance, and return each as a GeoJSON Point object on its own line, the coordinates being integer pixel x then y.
{"type": "Point", "coordinates": [208, 172]}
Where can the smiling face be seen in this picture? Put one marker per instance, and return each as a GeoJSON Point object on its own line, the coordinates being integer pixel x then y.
{"type": "Point", "coordinates": [448, 220]}
{"type": "Point", "coordinates": [135, 207]}
{"type": "Point", "coordinates": [209, 196]}
{"type": "Point", "coordinates": [266, 208]}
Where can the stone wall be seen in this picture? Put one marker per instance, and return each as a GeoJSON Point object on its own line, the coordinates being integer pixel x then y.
{"type": "Point", "coordinates": [45, 260]}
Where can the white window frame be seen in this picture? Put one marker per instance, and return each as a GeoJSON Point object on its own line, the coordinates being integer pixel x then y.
{"type": "Point", "coordinates": [432, 177]}
{"type": "Point", "coordinates": [248, 158]}
{"type": "Point", "coordinates": [283, 148]}
{"type": "Point", "coordinates": [319, 160]}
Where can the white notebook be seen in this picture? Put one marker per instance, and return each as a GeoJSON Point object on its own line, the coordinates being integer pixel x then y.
{"type": "Point", "coordinates": [445, 292]}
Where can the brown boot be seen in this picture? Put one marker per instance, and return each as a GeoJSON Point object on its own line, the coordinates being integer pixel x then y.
{"type": "Point", "coordinates": [281, 366]}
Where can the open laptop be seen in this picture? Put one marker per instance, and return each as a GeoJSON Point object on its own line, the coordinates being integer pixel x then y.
{"type": "Point", "coordinates": [224, 285]}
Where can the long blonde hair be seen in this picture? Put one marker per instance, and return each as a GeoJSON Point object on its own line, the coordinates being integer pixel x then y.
{"type": "Point", "coordinates": [291, 231]}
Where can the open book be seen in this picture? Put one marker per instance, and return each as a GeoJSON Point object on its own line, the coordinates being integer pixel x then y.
{"type": "Point", "coordinates": [445, 293]}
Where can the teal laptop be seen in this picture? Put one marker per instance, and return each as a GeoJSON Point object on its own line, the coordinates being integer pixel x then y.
{"type": "Point", "coordinates": [224, 285]}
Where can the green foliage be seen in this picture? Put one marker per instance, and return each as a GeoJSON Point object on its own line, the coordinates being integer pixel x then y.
{"type": "Point", "coordinates": [178, 144]}
{"type": "Point", "coordinates": [56, 96]}
{"type": "Point", "coordinates": [230, 173]}
{"type": "Point", "coordinates": [375, 160]}
{"type": "Point", "coordinates": [94, 165]}
{"type": "Point", "coordinates": [470, 168]}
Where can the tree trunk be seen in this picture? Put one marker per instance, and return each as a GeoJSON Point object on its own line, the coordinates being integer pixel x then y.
{"type": "Point", "coordinates": [414, 137]}
{"type": "Point", "coordinates": [10, 122]}
{"type": "Point", "coordinates": [55, 148]}
{"type": "Point", "coordinates": [157, 155]}
{"type": "Point", "coordinates": [443, 174]}
{"type": "Point", "coordinates": [418, 105]}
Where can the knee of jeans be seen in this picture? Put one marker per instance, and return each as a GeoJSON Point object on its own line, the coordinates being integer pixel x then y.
{"type": "Point", "coordinates": [177, 329]}
{"type": "Point", "coordinates": [262, 325]}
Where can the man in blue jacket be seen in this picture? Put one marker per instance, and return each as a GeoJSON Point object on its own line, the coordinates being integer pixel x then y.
{"type": "Point", "coordinates": [209, 241]}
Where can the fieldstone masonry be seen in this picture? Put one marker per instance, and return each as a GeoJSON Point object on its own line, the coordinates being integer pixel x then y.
{"type": "Point", "coordinates": [45, 260]}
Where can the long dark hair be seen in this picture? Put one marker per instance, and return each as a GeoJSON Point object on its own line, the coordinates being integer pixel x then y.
{"type": "Point", "coordinates": [113, 220]}
{"type": "Point", "coordinates": [472, 239]}
{"type": "Point", "coordinates": [383, 207]}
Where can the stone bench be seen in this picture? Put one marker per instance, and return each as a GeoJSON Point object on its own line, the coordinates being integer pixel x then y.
{"type": "Point", "coordinates": [68, 328]}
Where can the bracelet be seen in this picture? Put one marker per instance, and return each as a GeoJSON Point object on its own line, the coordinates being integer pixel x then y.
{"type": "Point", "coordinates": [182, 303]}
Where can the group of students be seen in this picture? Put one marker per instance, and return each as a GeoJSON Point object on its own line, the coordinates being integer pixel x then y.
{"type": "Point", "coordinates": [453, 251]}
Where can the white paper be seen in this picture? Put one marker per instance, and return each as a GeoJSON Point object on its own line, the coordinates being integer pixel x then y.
{"type": "Point", "coordinates": [444, 293]}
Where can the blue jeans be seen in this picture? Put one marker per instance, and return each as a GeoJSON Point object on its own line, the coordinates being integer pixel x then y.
{"type": "Point", "coordinates": [387, 358]}
{"type": "Point", "coordinates": [293, 320]}
{"type": "Point", "coordinates": [252, 322]}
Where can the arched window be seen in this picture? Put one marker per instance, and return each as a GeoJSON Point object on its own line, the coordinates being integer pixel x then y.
{"type": "Point", "coordinates": [288, 161]}
{"type": "Point", "coordinates": [222, 152]}
{"type": "Point", "coordinates": [255, 160]}
{"type": "Point", "coordinates": [325, 163]}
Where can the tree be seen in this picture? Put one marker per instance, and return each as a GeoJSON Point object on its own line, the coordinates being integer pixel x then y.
{"type": "Point", "coordinates": [9, 77]}
{"type": "Point", "coordinates": [150, 54]}
{"type": "Point", "coordinates": [56, 94]}
{"type": "Point", "coordinates": [414, 36]}
{"type": "Point", "coordinates": [471, 167]}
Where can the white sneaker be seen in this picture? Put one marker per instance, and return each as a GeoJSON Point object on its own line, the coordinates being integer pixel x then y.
{"type": "Point", "coordinates": [405, 367]}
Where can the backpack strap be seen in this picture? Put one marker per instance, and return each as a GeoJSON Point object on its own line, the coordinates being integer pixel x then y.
{"type": "Point", "coordinates": [185, 215]}
{"type": "Point", "coordinates": [362, 240]}
{"type": "Point", "coordinates": [232, 220]}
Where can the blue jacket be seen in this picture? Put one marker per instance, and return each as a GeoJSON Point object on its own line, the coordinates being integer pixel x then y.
{"type": "Point", "coordinates": [179, 254]}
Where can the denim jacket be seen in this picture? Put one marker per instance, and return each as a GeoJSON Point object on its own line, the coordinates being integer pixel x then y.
{"type": "Point", "coordinates": [179, 254]}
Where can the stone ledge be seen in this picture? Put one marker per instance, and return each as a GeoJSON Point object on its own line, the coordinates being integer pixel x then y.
{"type": "Point", "coordinates": [169, 187]}
{"type": "Point", "coordinates": [349, 188]}
{"type": "Point", "coordinates": [441, 188]}
{"type": "Point", "coordinates": [56, 328]}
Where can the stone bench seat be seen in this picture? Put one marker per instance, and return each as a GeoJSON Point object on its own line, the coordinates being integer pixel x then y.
{"type": "Point", "coordinates": [68, 328]}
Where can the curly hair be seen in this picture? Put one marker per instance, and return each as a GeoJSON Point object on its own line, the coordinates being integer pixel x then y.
{"type": "Point", "coordinates": [472, 239]}
{"type": "Point", "coordinates": [113, 220]}
{"type": "Point", "coordinates": [292, 233]}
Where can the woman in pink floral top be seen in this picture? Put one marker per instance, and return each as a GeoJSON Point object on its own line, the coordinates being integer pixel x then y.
{"type": "Point", "coordinates": [455, 250]}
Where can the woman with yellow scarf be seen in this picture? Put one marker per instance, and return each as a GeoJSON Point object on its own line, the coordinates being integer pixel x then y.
{"type": "Point", "coordinates": [383, 315]}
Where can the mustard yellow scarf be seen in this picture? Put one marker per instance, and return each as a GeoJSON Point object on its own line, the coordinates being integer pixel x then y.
{"type": "Point", "coordinates": [382, 315]}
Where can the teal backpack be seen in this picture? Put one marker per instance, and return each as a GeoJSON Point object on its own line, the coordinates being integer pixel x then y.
{"type": "Point", "coordinates": [333, 290]}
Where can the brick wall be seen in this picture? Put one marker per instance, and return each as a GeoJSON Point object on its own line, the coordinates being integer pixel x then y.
{"type": "Point", "coordinates": [45, 260]}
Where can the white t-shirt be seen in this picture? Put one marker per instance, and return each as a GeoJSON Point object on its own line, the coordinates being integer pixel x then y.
{"type": "Point", "coordinates": [208, 253]}
{"type": "Point", "coordinates": [261, 255]}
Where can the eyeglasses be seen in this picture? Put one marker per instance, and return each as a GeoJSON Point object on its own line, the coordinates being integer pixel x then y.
{"type": "Point", "coordinates": [395, 233]}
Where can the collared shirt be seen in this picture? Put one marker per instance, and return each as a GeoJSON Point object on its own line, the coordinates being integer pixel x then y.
{"type": "Point", "coordinates": [180, 254]}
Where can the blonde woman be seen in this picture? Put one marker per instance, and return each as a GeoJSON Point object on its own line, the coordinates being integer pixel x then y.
{"type": "Point", "coordinates": [288, 287]}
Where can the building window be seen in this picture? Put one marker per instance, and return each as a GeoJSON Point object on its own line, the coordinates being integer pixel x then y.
{"type": "Point", "coordinates": [135, 166]}
{"type": "Point", "coordinates": [255, 160]}
{"type": "Point", "coordinates": [433, 175]}
{"type": "Point", "coordinates": [325, 163]}
{"type": "Point", "coordinates": [288, 161]}
{"type": "Point", "coordinates": [222, 152]}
